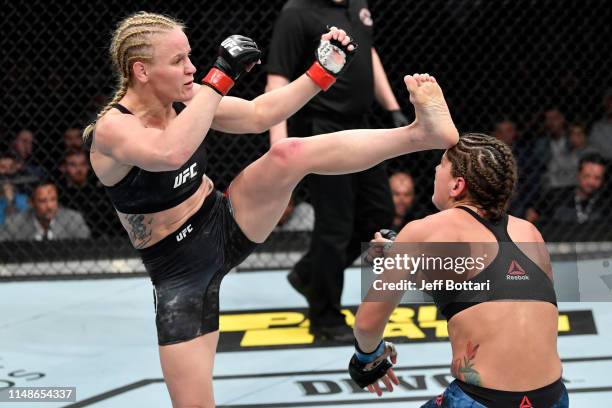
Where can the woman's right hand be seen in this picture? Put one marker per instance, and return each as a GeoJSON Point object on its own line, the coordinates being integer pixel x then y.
{"type": "Point", "coordinates": [367, 369]}
{"type": "Point", "coordinates": [380, 244]}
{"type": "Point", "coordinates": [237, 54]}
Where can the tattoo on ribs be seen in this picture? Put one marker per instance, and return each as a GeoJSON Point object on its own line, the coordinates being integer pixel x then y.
{"type": "Point", "coordinates": [464, 370]}
{"type": "Point", "coordinates": [140, 229]}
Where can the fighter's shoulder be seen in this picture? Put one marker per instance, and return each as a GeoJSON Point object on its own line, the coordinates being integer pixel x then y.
{"type": "Point", "coordinates": [446, 218]}
{"type": "Point", "coordinates": [430, 228]}
{"type": "Point", "coordinates": [523, 231]}
{"type": "Point", "coordinates": [112, 122]}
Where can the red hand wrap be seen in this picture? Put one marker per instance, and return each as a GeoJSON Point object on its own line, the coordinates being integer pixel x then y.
{"type": "Point", "coordinates": [320, 76]}
{"type": "Point", "coordinates": [219, 81]}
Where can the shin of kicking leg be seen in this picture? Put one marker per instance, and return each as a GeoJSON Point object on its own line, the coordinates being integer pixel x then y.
{"type": "Point", "coordinates": [351, 151]}
{"type": "Point", "coordinates": [262, 191]}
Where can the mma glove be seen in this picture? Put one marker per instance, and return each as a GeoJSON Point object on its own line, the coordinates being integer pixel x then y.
{"type": "Point", "coordinates": [377, 250]}
{"type": "Point", "coordinates": [388, 234]}
{"type": "Point", "coordinates": [331, 58]}
{"type": "Point", "coordinates": [367, 368]}
{"type": "Point", "coordinates": [237, 54]}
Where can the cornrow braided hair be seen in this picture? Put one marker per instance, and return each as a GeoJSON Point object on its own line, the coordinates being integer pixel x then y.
{"type": "Point", "coordinates": [132, 41]}
{"type": "Point", "coordinates": [489, 169]}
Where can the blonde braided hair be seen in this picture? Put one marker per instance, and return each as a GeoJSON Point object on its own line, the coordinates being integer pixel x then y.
{"type": "Point", "coordinates": [132, 42]}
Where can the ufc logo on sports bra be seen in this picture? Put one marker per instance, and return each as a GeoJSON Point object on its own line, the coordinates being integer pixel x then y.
{"type": "Point", "coordinates": [185, 175]}
{"type": "Point", "coordinates": [183, 233]}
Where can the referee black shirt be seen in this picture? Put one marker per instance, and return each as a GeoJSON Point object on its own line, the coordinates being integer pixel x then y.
{"type": "Point", "coordinates": [297, 33]}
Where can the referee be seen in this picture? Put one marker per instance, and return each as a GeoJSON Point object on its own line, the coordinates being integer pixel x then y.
{"type": "Point", "coordinates": [348, 208]}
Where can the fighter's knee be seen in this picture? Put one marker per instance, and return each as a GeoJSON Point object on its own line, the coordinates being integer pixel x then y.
{"type": "Point", "coordinates": [286, 153]}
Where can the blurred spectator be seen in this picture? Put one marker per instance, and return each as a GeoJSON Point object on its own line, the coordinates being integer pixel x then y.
{"type": "Point", "coordinates": [73, 138]}
{"type": "Point", "coordinates": [23, 144]}
{"type": "Point", "coordinates": [12, 201]}
{"type": "Point", "coordinates": [75, 168]}
{"type": "Point", "coordinates": [46, 220]}
{"type": "Point", "coordinates": [22, 147]}
{"type": "Point", "coordinates": [601, 132]}
{"type": "Point", "coordinates": [530, 166]}
{"type": "Point", "coordinates": [571, 206]}
{"type": "Point", "coordinates": [298, 217]}
{"type": "Point", "coordinates": [505, 130]}
{"type": "Point", "coordinates": [563, 166]}
{"type": "Point", "coordinates": [80, 190]}
{"type": "Point", "coordinates": [553, 149]}
{"type": "Point", "coordinates": [578, 142]}
{"type": "Point", "coordinates": [402, 190]}
{"type": "Point", "coordinates": [577, 137]}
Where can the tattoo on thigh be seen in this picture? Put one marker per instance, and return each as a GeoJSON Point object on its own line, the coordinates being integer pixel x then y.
{"type": "Point", "coordinates": [140, 229]}
{"type": "Point", "coordinates": [464, 369]}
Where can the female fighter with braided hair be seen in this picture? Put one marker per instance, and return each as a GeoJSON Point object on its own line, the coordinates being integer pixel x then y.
{"type": "Point", "coordinates": [147, 149]}
{"type": "Point", "coordinates": [504, 350]}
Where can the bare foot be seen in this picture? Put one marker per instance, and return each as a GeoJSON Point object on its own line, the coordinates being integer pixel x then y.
{"type": "Point", "coordinates": [432, 115]}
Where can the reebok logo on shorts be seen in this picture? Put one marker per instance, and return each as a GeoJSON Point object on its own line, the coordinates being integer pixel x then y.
{"type": "Point", "coordinates": [516, 272]}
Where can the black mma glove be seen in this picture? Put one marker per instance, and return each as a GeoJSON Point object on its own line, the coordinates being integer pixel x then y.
{"type": "Point", "coordinates": [377, 250]}
{"type": "Point", "coordinates": [367, 368]}
{"type": "Point", "coordinates": [388, 234]}
{"type": "Point", "coordinates": [331, 59]}
{"type": "Point", "coordinates": [236, 54]}
{"type": "Point", "coordinates": [398, 118]}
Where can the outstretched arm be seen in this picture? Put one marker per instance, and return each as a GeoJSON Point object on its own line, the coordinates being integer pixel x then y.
{"type": "Point", "coordinates": [235, 115]}
{"type": "Point", "coordinates": [374, 358]}
{"type": "Point", "coordinates": [124, 138]}
{"type": "Point", "coordinates": [278, 131]}
{"type": "Point", "coordinates": [374, 312]}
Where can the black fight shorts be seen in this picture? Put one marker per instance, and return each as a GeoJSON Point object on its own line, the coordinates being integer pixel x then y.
{"type": "Point", "coordinates": [187, 267]}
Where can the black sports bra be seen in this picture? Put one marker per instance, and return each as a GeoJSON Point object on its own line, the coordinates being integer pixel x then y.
{"type": "Point", "coordinates": [512, 276]}
{"type": "Point", "coordinates": [145, 192]}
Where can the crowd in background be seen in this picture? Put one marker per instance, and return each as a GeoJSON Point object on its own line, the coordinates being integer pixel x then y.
{"type": "Point", "coordinates": [51, 196]}
{"type": "Point", "coordinates": [563, 183]}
